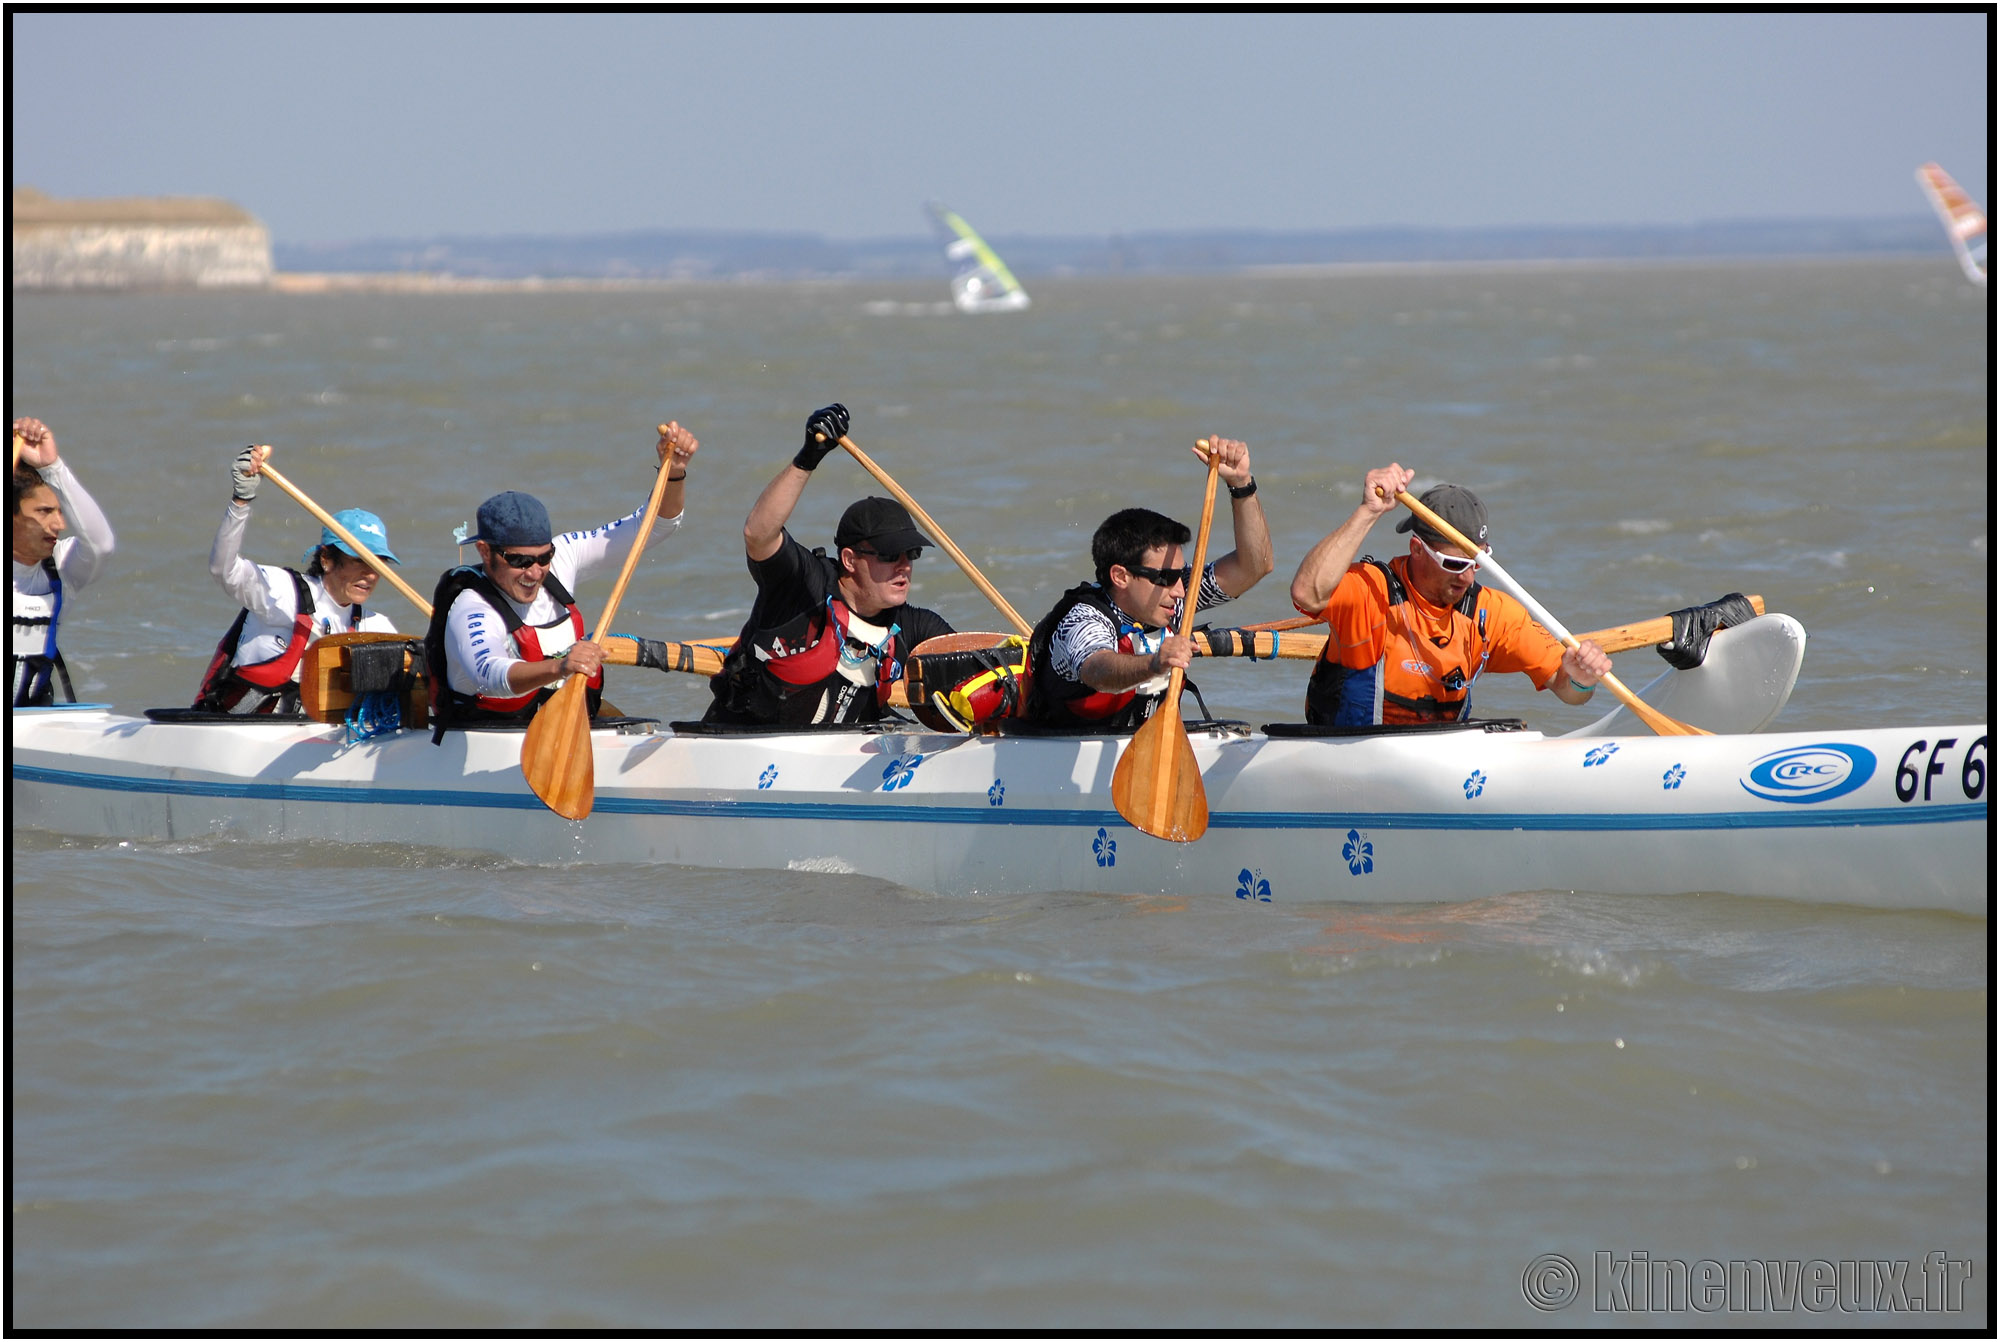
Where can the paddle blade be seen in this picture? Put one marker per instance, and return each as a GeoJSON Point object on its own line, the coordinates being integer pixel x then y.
{"type": "Point", "coordinates": [556, 758]}
{"type": "Point", "coordinates": [1157, 785]}
{"type": "Point", "coordinates": [1661, 724]}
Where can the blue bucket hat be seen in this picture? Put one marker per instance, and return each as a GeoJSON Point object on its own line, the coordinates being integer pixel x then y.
{"type": "Point", "coordinates": [365, 527]}
{"type": "Point", "coordinates": [513, 518]}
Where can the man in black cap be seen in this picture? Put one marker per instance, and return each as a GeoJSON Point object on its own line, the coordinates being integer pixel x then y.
{"type": "Point", "coordinates": [1407, 638]}
{"type": "Point", "coordinates": [505, 632]}
{"type": "Point", "coordinates": [826, 637]}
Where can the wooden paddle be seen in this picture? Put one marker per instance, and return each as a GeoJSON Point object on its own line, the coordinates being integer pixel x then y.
{"type": "Point", "coordinates": [1157, 784]}
{"type": "Point", "coordinates": [19, 443]}
{"type": "Point", "coordinates": [1490, 567]}
{"type": "Point", "coordinates": [556, 756]}
{"type": "Point", "coordinates": [361, 551]}
{"type": "Point", "coordinates": [935, 532]}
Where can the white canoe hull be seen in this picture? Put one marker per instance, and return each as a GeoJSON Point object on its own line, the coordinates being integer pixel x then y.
{"type": "Point", "coordinates": [1813, 816]}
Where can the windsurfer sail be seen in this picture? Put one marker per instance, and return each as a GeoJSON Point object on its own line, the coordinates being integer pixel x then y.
{"type": "Point", "coordinates": [980, 280]}
{"type": "Point", "coordinates": [1964, 222]}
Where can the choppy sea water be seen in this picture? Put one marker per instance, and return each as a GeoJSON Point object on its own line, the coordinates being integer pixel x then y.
{"type": "Point", "coordinates": [369, 1087]}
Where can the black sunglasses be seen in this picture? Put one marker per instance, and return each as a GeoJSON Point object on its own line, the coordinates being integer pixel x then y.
{"type": "Point", "coordinates": [1165, 577]}
{"type": "Point", "coordinates": [913, 554]}
{"type": "Point", "coordinates": [545, 558]}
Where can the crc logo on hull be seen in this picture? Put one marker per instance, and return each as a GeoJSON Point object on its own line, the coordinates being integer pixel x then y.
{"type": "Point", "coordinates": [1810, 773]}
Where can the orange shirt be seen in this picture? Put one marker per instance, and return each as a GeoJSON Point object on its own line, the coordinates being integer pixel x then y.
{"type": "Point", "coordinates": [1392, 656]}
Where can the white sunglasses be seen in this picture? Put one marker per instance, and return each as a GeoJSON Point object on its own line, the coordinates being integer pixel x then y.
{"type": "Point", "coordinates": [1449, 563]}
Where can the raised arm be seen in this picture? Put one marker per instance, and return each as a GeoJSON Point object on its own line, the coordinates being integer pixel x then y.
{"type": "Point", "coordinates": [1251, 561]}
{"type": "Point", "coordinates": [89, 531]}
{"type": "Point", "coordinates": [583, 551]}
{"type": "Point", "coordinates": [1324, 565]}
{"type": "Point", "coordinates": [764, 529]}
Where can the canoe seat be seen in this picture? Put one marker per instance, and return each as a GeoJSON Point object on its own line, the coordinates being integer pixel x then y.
{"type": "Point", "coordinates": [895, 725]}
{"type": "Point", "coordinates": [339, 668]}
{"type": "Point", "coordinates": [193, 715]}
{"type": "Point", "coordinates": [1282, 729]}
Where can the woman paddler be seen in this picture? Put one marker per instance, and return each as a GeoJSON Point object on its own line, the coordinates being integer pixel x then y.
{"type": "Point", "coordinates": [45, 500]}
{"type": "Point", "coordinates": [257, 664]}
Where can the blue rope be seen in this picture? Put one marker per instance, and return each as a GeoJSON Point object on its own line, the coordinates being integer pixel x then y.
{"type": "Point", "coordinates": [373, 715]}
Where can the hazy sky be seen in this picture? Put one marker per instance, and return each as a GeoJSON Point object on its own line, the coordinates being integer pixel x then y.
{"type": "Point", "coordinates": [339, 127]}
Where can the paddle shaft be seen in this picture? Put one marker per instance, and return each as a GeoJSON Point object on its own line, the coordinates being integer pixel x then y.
{"type": "Point", "coordinates": [361, 551]}
{"type": "Point", "coordinates": [638, 546]}
{"type": "Point", "coordinates": [1504, 580]}
{"type": "Point", "coordinates": [1275, 640]}
{"type": "Point", "coordinates": [556, 753]}
{"type": "Point", "coordinates": [936, 532]}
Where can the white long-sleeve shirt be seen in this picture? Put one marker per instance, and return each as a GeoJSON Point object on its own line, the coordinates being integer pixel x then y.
{"type": "Point", "coordinates": [79, 557]}
{"type": "Point", "coordinates": [266, 591]}
{"type": "Point", "coordinates": [478, 649]}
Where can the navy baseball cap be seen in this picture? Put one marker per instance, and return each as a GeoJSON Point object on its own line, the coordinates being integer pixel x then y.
{"type": "Point", "coordinates": [513, 518]}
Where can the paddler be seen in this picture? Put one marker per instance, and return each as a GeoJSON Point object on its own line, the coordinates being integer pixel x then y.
{"type": "Point", "coordinates": [1101, 659]}
{"type": "Point", "coordinates": [827, 636]}
{"type": "Point", "coordinates": [1407, 638]}
{"type": "Point", "coordinates": [257, 663]}
{"type": "Point", "coordinates": [506, 632]}
{"type": "Point", "coordinates": [45, 499]}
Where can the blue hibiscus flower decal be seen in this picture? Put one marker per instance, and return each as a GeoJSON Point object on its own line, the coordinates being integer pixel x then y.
{"type": "Point", "coordinates": [1252, 885]}
{"type": "Point", "coordinates": [1475, 784]}
{"type": "Point", "coordinates": [1671, 779]}
{"type": "Point", "coordinates": [768, 777]}
{"type": "Point", "coordinates": [996, 794]}
{"type": "Point", "coordinates": [897, 773]}
{"type": "Point", "coordinates": [1359, 852]}
{"type": "Point", "coordinates": [1106, 849]}
{"type": "Point", "coordinates": [1599, 754]}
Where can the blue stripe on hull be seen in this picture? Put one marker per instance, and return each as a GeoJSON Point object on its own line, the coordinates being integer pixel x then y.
{"type": "Point", "coordinates": [351, 794]}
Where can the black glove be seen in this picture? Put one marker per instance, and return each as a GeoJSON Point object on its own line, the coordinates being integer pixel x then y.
{"type": "Point", "coordinates": [653, 653]}
{"type": "Point", "coordinates": [823, 434]}
{"type": "Point", "coordinates": [1694, 625]}
{"type": "Point", "coordinates": [242, 484]}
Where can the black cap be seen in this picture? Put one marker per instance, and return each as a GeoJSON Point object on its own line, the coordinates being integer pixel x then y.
{"type": "Point", "coordinates": [1455, 504]}
{"type": "Point", "coordinates": [883, 524]}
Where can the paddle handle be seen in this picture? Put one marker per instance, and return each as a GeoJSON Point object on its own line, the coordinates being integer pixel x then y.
{"type": "Point", "coordinates": [932, 529]}
{"type": "Point", "coordinates": [326, 520]}
{"type": "Point", "coordinates": [638, 546]}
{"type": "Point", "coordinates": [1504, 580]}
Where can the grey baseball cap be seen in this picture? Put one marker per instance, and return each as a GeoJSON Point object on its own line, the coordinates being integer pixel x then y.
{"type": "Point", "coordinates": [1455, 504]}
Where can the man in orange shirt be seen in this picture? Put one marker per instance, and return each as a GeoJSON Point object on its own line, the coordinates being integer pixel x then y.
{"type": "Point", "coordinates": [1407, 638]}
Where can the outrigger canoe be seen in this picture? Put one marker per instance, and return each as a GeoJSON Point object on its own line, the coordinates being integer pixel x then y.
{"type": "Point", "coordinates": [1882, 816]}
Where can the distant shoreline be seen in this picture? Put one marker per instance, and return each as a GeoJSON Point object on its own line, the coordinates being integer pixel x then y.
{"type": "Point", "coordinates": [420, 282]}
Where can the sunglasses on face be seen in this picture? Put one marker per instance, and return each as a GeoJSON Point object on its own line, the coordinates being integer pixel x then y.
{"type": "Point", "coordinates": [1449, 563]}
{"type": "Point", "coordinates": [913, 554]}
{"type": "Point", "coordinates": [1165, 577]}
{"type": "Point", "coordinates": [544, 559]}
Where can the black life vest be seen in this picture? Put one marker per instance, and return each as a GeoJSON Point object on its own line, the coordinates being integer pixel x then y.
{"type": "Point", "coordinates": [34, 674]}
{"type": "Point", "coordinates": [791, 673]}
{"type": "Point", "coordinates": [1058, 701]}
{"type": "Point", "coordinates": [1340, 696]}
{"type": "Point", "coordinates": [452, 709]}
{"type": "Point", "coordinates": [267, 686]}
